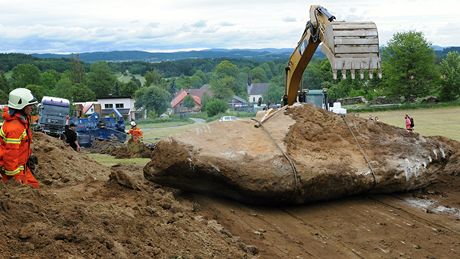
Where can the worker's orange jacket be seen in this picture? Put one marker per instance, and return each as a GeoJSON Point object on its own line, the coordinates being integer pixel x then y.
{"type": "Point", "coordinates": [136, 133]}
{"type": "Point", "coordinates": [15, 142]}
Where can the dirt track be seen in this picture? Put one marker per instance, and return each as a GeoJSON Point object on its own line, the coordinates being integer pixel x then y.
{"type": "Point", "coordinates": [377, 226]}
{"type": "Point", "coordinates": [91, 211]}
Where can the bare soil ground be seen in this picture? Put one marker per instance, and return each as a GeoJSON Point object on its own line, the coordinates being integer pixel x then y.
{"type": "Point", "coordinates": [370, 226]}
{"type": "Point", "coordinates": [86, 210]}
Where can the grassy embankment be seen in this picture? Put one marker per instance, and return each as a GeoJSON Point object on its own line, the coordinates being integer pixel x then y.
{"type": "Point", "coordinates": [444, 121]}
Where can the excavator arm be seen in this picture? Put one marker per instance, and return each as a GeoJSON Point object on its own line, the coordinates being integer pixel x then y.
{"type": "Point", "coordinates": [352, 46]}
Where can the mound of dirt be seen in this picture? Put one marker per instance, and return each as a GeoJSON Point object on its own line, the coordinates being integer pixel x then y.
{"type": "Point", "coordinates": [301, 154]}
{"type": "Point", "coordinates": [59, 164]}
{"type": "Point", "coordinates": [86, 210]}
{"type": "Point", "coordinates": [104, 146]}
{"type": "Point", "coordinates": [119, 150]}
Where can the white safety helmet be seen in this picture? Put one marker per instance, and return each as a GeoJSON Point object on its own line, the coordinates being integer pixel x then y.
{"type": "Point", "coordinates": [20, 98]}
{"type": "Point", "coordinates": [133, 123]}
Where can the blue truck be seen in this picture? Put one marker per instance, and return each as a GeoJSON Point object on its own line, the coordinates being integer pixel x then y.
{"type": "Point", "coordinates": [52, 119]}
{"type": "Point", "coordinates": [52, 115]}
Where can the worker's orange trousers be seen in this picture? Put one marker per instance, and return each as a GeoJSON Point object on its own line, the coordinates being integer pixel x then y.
{"type": "Point", "coordinates": [23, 178]}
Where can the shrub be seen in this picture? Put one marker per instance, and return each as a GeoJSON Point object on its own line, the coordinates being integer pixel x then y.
{"type": "Point", "coordinates": [215, 106]}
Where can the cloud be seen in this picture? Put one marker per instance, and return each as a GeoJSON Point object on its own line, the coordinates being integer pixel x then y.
{"type": "Point", "coordinates": [226, 24]}
{"type": "Point", "coordinates": [88, 25]}
{"type": "Point", "coordinates": [199, 24]}
{"type": "Point", "coordinates": [289, 19]}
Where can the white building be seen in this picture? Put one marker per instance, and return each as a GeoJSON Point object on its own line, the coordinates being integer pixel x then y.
{"type": "Point", "coordinates": [125, 105]}
{"type": "Point", "coordinates": [256, 91]}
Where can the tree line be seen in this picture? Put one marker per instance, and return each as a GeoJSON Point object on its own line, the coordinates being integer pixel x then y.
{"type": "Point", "coordinates": [411, 69]}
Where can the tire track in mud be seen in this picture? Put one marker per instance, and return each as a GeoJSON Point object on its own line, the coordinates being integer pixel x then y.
{"type": "Point", "coordinates": [356, 227]}
{"type": "Point", "coordinates": [426, 221]}
{"type": "Point", "coordinates": [284, 237]}
{"type": "Point", "coordinates": [326, 236]}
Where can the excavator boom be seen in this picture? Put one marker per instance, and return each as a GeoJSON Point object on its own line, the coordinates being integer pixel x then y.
{"type": "Point", "coordinates": [349, 46]}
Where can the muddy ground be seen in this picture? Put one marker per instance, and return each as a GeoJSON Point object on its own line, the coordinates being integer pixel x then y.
{"type": "Point", "coordinates": [86, 210]}
{"type": "Point", "coordinates": [129, 149]}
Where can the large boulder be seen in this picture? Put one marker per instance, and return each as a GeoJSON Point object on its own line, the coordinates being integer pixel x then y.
{"type": "Point", "coordinates": [299, 155]}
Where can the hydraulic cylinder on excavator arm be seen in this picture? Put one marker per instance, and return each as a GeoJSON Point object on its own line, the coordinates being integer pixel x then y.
{"type": "Point", "coordinates": [349, 46]}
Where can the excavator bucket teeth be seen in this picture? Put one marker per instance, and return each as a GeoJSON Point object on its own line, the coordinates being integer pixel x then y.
{"type": "Point", "coordinates": [352, 46]}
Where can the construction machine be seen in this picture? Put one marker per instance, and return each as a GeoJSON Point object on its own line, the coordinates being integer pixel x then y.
{"type": "Point", "coordinates": [349, 46]}
{"type": "Point", "coordinates": [111, 128]}
{"type": "Point", "coordinates": [52, 115]}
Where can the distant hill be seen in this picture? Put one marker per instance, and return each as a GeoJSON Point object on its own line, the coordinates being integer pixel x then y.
{"type": "Point", "coordinates": [258, 55]}
{"type": "Point", "coordinates": [122, 56]}
{"type": "Point", "coordinates": [443, 52]}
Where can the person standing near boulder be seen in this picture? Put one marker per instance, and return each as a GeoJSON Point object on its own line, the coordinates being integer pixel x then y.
{"type": "Point", "coordinates": [409, 123]}
{"type": "Point", "coordinates": [16, 159]}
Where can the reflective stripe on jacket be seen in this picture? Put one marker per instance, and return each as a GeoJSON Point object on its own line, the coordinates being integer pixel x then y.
{"type": "Point", "coordinates": [15, 140]}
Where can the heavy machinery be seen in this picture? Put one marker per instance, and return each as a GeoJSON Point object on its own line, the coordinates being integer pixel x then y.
{"type": "Point", "coordinates": [100, 128]}
{"type": "Point", "coordinates": [52, 115]}
{"type": "Point", "coordinates": [349, 46]}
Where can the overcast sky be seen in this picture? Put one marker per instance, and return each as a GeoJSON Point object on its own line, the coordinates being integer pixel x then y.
{"type": "Point", "coordinates": [65, 26]}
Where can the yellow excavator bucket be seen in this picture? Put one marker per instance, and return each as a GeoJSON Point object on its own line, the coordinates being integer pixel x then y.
{"type": "Point", "coordinates": [352, 46]}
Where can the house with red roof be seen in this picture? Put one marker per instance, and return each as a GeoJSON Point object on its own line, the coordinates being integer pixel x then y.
{"type": "Point", "coordinates": [177, 102]}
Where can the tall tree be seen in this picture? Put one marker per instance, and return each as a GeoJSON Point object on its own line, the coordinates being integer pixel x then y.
{"type": "Point", "coordinates": [275, 90]}
{"type": "Point", "coordinates": [224, 80]}
{"type": "Point", "coordinates": [4, 88]}
{"type": "Point", "coordinates": [450, 77]}
{"type": "Point", "coordinates": [409, 65]}
{"type": "Point", "coordinates": [204, 78]}
{"type": "Point", "coordinates": [38, 91]}
{"type": "Point", "coordinates": [128, 89]}
{"type": "Point", "coordinates": [101, 80]}
{"type": "Point", "coordinates": [152, 98]}
{"type": "Point", "coordinates": [195, 82]}
{"type": "Point", "coordinates": [49, 78]}
{"type": "Point", "coordinates": [226, 68]}
{"type": "Point", "coordinates": [153, 77]}
{"type": "Point", "coordinates": [77, 74]}
{"type": "Point", "coordinates": [74, 92]}
{"type": "Point", "coordinates": [317, 72]}
{"type": "Point", "coordinates": [259, 75]}
{"type": "Point", "coordinates": [222, 88]}
{"type": "Point", "coordinates": [25, 74]}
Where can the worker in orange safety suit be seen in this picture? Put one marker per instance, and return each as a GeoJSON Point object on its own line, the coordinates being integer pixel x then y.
{"type": "Point", "coordinates": [135, 132]}
{"type": "Point", "coordinates": [16, 138]}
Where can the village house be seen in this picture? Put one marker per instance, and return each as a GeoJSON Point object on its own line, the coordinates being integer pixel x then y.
{"type": "Point", "coordinates": [104, 106]}
{"type": "Point", "coordinates": [177, 103]}
{"type": "Point", "coordinates": [256, 91]}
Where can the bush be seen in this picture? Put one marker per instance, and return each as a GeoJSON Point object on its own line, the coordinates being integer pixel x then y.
{"type": "Point", "coordinates": [215, 106]}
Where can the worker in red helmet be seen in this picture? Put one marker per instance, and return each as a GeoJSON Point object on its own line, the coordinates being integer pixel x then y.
{"type": "Point", "coordinates": [16, 139]}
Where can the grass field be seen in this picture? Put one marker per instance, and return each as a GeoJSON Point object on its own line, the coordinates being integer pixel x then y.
{"type": "Point", "coordinates": [108, 160]}
{"type": "Point", "coordinates": [125, 79]}
{"type": "Point", "coordinates": [428, 122]}
{"type": "Point", "coordinates": [155, 131]}
{"type": "Point", "coordinates": [152, 133]}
